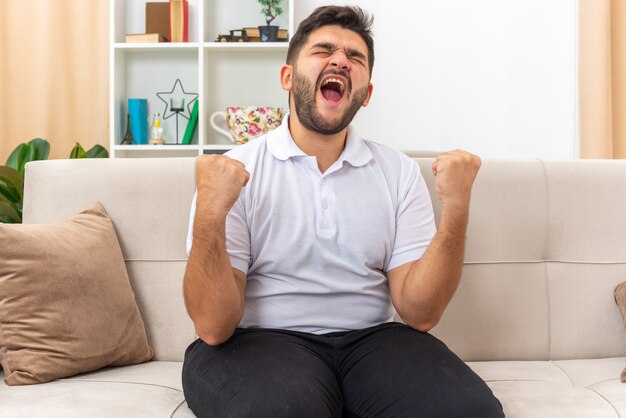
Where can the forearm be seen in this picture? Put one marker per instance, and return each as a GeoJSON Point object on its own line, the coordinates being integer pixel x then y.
{"type": "Point", "coordinates": [213, 296]}
{"type": "Point", "coordinates": [431, 283]}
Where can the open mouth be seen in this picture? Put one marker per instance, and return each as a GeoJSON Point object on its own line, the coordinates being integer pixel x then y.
{"type": "Point", "coordinates": [333, 89]}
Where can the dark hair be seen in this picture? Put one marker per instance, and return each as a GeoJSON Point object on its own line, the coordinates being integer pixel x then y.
{"type": "Point", "coordinates": [348, 17]}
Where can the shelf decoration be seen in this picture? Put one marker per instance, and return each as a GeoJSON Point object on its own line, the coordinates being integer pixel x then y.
{"type": "Point", "coordinates": [138, 109]}
{"type": "Point", "coordinates": [177, 102]}
{"type": "Point", "coordinates": [271, 10]}
{"type": "Point", "coordinates": [128, 136]}
{"type": "Point", "coordinates": [191, 125]}
{"type": "Point", "coordinates": [250, 35]}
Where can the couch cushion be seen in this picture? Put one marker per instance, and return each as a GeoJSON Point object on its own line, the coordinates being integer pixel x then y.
{"type": "Point", "coordinates": [569, 388]}
{"type": "Point", "coordinates": [66, 304]}
{"type": "Point", "coordinates": [474, 332]}
{"type": "Point", "coordinates": [146, 390]}
{"type": "Point", "coordinates": [527, 389]}
{"type": "Point", "coordinates": [584, 320]}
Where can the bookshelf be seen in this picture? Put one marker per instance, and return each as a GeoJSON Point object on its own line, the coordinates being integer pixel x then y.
{"type": "Point", "coordinates": [222, 73]}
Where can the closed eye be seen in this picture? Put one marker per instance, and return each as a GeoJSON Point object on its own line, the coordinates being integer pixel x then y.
{"type": "Point", "coordinates": [358, 60]}
{"type": "Point", "coordinates": [357, 56]}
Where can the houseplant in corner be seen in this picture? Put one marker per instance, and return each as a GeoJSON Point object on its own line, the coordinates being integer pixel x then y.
{"type": "Point", "coordinates": [12, 174]}
{"type": "Point", "coordinates": [270, 9]}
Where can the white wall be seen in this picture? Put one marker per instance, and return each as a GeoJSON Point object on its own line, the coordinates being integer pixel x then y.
{"type": "Point", "coordinates": [495, 77]}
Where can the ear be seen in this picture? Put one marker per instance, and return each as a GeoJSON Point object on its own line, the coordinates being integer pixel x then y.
{"type": "Point", "coordinates": [370, 89]}
{"type": "Point", "coordinates": [286, 77]}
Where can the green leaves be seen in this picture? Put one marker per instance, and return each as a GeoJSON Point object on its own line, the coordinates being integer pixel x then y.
{"type": "Point", "coordinates": [97, 151]}
{"type": "Point", "coordinates": [11, 189]}
{"type": "Point", "coordinates": [11, 178]}
{"type": "Point", "coordinates": [78, 152]}
{"type": "Point", "coordinates": [10, 194]}
{"type": "Point", "coordinates": [270, 9]}
{"type": "Point", "coordinates": [9, 214]}
{"type": "Point", "coordinates": [35, 150]}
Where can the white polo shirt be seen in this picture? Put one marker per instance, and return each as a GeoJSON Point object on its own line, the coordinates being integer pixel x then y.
{"type": "Point", "coordinates": [315, 247]}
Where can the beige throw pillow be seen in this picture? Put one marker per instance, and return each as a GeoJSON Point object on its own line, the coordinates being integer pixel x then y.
{"type": "Point", "coordinates": [66, 304]}
{"type": "Point", "coordinates": [620, 299]}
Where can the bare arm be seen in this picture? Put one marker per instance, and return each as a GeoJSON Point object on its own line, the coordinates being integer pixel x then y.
{"type": "Point", "coordinates": [214, 291]}
{"type": "Point", "coordinates": [421, 290]}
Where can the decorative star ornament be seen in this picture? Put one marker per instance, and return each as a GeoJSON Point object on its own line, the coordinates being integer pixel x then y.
{"type": "Point", "coordinates": [177, 93]}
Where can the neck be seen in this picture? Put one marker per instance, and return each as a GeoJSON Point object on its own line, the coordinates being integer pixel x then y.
{"type": "Point", "coordinates": [325, 148]}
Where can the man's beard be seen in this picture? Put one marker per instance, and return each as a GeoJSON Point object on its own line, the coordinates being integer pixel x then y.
{"type": "Point", "coordinates": [304, 98]}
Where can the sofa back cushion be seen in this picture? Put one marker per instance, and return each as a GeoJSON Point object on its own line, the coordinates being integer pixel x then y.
{"type": "Point", "coordinates": [546, 245]}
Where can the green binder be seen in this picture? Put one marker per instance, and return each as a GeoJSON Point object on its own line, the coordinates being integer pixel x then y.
{"type": "Point", "coordinates": [191, 125]}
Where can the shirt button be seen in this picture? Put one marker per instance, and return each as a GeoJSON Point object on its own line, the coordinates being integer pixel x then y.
{"type": "Point", "coordinates": [324, 205]}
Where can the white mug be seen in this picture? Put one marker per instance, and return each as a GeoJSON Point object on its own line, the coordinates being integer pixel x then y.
{"type": "Point", "coordinates": [217, 128]}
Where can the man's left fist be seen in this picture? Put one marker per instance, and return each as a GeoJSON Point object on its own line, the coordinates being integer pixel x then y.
{"type": "Point", "coordinates": [455, 172]}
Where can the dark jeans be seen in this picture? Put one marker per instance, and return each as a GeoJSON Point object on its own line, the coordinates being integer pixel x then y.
{"type": "Point", "coordinates": [389, 370]}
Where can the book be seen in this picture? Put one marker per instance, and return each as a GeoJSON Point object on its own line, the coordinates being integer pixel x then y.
{"type": "Point", "coordinates": [158, 19]}
{"type": "Point", "coordinates": [191, 125]}
{"type": "Point", "coordinates": [252, 32]}
{"type": "Point", "coordinates": [145, 37]}
{"type": "Point", "coordinates": [254, 35]}
{"type": "Point", "coordinates": [179, 22]}
{"type": "Point", "coordinates": [138, 110]}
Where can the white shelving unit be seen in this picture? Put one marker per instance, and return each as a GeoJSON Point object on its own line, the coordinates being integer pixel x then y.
{"type": "Point", "coordinates": [223, 74]}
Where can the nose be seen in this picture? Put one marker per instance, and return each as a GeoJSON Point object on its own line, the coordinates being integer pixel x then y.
{"type": "Point", "coordinates": [340, 60]}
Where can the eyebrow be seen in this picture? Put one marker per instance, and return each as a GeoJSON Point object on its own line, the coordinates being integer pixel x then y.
{"type": "Point", "coordinates": [351, 53]}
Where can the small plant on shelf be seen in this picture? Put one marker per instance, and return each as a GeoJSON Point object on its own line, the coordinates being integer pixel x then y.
{"type": "Point", "coordinates": [271, 10]}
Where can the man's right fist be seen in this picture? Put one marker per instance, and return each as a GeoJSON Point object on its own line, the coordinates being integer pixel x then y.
{"type": "Point", "coordinates": [219, 181]}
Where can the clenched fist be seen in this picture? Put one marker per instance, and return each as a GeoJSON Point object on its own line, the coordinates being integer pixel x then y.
{"type": "Point", "coordinates": [219, 181]}
{"type": "Point", "coordinates": [455, 172]}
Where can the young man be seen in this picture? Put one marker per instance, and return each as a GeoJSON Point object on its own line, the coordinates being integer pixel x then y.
{"type": "Point", "coordinates": [302, 243]}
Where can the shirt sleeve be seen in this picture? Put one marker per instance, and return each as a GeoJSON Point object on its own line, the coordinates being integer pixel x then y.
{"type": "Point", "coordinates": [237, 235]}
{"type": "Point", "coordinates": [415, 219]}
{"type": "Point", "coordinates": [192, 215]}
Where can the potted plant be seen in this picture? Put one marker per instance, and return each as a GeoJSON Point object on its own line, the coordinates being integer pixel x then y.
{"type": "Point", "coordinates": [270, 9]}
{"type": "Point", "coordinates": [12, 174]}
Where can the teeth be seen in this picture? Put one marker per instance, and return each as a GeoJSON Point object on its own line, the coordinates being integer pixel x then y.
{"type": "Point", "coordinates": [334, 80]}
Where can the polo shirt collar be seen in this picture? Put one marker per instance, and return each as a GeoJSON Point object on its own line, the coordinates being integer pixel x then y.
{"type": "Point", "coordinates": [356, 152]}
{"type": "Point", "coordinates": [282, 146]}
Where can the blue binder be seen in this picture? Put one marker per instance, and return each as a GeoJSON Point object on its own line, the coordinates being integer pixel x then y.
{"type": "Point", "coordinates": [138, 110]}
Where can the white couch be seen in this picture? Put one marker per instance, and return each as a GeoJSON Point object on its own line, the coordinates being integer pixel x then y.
{"type": "Point", "coordinates": [534, 315]}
